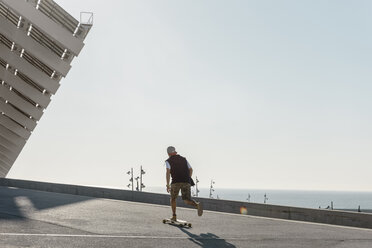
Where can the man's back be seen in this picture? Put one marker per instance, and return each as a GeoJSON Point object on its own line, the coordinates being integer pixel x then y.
{"type": "Point", "coordinates": [179, 169]}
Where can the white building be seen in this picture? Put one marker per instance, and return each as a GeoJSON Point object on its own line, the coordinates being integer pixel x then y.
{"type": "Point", "coordinates": [38, 41]}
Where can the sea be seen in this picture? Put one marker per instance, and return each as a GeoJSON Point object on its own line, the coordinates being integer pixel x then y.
{"type": "Point", "coordinates": [343, 200]}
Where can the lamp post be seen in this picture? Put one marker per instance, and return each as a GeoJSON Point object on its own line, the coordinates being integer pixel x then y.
{"type": "Point", "coordinates": [130, 173]}
{"type": "Point", "coordinates": [196, 187]}
{"type": "Point", "coordinates": [141, 184]}
{"type": "Point", "coordinates": [211, 189]}
{"type": "Point", "coordinates": [137, 188]}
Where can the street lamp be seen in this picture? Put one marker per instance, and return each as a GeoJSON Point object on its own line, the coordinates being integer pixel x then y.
{"type": "Point", "coordinates": [211, 189]}
{"type": "Point", "coordinates": [137, 188]}
{"type": "Point", "coordinates": [142, 186]}
{"type": "Point", "coordinates": [196, 187]}
{"type": "Point", "coordinates": [130, 173]}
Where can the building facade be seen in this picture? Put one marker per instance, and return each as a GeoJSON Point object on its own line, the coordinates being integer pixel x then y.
{"type": "Point", "coordinates": [38, 41]}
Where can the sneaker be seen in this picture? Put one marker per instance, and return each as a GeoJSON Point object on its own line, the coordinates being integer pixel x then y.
{"type": "Point", "coordinates": [174, 218]}
{"type": "Point", "coordinates": [200, 209]}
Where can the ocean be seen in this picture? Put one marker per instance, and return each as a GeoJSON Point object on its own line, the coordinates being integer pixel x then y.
{"type": "Point", "coordinates": [347, 200]}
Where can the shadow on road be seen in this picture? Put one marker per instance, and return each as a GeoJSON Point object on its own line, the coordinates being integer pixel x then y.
{"type": "Point", "coordinates": [16, 203]}
{"type": "Point", "coordinates": [207, 240]}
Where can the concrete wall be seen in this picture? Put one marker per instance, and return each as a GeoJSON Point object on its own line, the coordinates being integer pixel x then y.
{"type": "Point", "coordinates": [333, 217]}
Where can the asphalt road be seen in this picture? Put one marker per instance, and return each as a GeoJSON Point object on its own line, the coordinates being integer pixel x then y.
{"type": "Point", "coordinates": [40, 219]}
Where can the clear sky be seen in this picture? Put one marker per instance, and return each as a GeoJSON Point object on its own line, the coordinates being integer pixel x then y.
{"type": "Point", "coordinates": [255, 94]}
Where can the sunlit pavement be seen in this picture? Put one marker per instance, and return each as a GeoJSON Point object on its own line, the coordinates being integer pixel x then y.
{"type": "Point", "coordinates": [40, 219]}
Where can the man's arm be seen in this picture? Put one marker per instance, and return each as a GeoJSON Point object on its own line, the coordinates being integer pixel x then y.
{"type": "Point", "coordinates": [190, 168]}
{"type": "Point", "coordinates": [168, 179]}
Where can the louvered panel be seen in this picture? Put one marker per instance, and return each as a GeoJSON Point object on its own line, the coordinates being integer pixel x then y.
{"type": "Point", "coordinates": [24, 88]}
{"type": "Point", "coordinates": [9, 14]}
{"type": "Point", "coordinates": [4, 168]}
{"type": "Point", "coordinates": [55, 31]}
{"type": "Point", "coordinates": [31, 71]}
{"type": "Point", "coordinates": [45, 55]}
{"type": "Point", "coordinates": [20, 103]}
{"type": "Point", "coordinates": [8, 153]}
{"type": "Point", "coordinates": [14, 127]}
{"type": "Point", "coordinates": [14, 148]}
{"type": "Point", "coordinates": [58, 14]}
{"type": "Point", "coordinates": [17, 116]}
{"type": "Point", "coordinates": [12, 137]}
{"type": "Point", "coordinates": [5, 159]}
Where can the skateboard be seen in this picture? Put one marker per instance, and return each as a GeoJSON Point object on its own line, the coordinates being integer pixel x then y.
{"type": "Point", "coordinates": [181, 223]}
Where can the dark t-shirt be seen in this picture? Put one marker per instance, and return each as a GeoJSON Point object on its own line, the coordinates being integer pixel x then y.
{"type": "Point", "coordinates": [179, 169]}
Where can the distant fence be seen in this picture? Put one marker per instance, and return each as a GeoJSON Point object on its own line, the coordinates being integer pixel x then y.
{"type": "Point", "coordinates": [333, 217]}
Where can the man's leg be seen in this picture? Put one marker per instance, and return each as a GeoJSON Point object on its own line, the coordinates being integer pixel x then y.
{"type": "Point", "coordinates": [175, 189]}
{"type": "Point", "coordinates": [186, 196]}
{"type": "Point", "coordinates": [191, 203]}
{"type": "Point", "coordinates": [173, 206]}
{"type": "Point", "coordinates": [197, 205]}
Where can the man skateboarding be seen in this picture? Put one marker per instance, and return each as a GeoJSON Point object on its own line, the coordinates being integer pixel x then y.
{"type": "Point", "coordinates": [181, 172]}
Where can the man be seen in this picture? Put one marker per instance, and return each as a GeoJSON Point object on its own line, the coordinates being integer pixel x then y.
{"type": "Point", "coordinates": [181, 172]}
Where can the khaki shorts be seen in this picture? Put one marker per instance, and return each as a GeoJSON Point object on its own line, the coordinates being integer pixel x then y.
{"type": "Point", "coordinates": [185, 190]}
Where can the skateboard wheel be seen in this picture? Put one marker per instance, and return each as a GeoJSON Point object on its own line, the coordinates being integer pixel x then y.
{"type": "Point", "coordinates": [190, 225]}
{"type": "Point", "coordinates": [164, 221]}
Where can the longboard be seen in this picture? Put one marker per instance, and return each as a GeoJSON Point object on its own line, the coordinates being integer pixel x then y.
{"type": "Point", "coordinates": [181, 223]}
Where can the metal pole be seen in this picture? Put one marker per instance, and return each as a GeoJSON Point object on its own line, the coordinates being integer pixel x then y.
{"type": "Point", "coordinates": [131, 169]}
{"type": "Point", "coordinates": [211, 189]}
{"type": "Point", "coordinates": [196, 186]}
{"type": "Point", "coordinates": [141, 179]}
